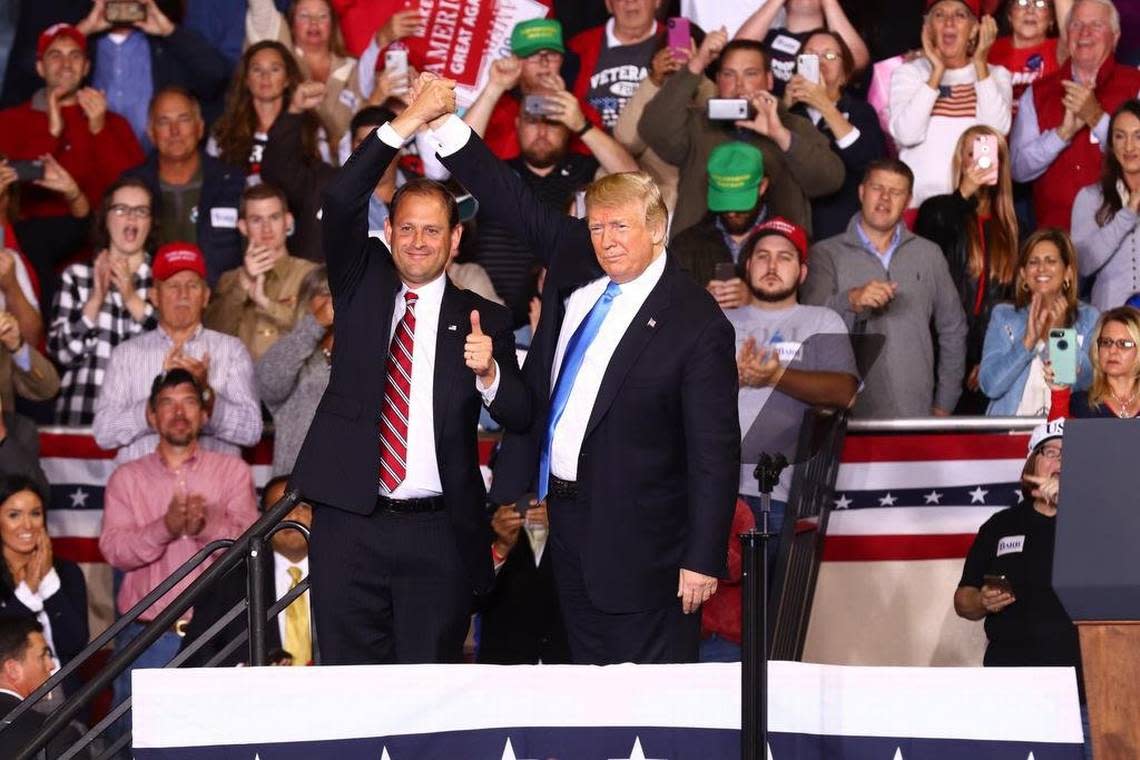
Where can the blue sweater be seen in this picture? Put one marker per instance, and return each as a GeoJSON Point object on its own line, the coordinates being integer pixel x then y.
{"type": "Point", "coordinates": [1005, 360]}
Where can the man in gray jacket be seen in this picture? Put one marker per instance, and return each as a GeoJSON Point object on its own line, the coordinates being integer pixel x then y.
{"type": "Point", "coordinates": [883, 279]}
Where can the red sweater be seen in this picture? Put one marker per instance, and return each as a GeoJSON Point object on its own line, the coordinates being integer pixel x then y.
{"type": "Point", "coordinates": [1079, 163]}
{"type": "Point", "coordinates": [502, 134]}
{"type": "Point", "coordinates": [95, 161]}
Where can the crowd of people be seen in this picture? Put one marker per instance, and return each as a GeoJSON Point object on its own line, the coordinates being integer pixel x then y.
{"type": "Point", "coordinates": [179, 213]}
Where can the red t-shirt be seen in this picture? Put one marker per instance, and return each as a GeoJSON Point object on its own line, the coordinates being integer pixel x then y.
{"type": "Point", "coordinates": [1026, 65]}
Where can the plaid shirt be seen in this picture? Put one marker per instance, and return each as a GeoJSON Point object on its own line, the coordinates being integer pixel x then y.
{"type": "Point", "coordinates": [82, 348]}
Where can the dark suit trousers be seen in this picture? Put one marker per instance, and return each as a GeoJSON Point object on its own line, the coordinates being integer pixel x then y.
{"type": "Point", "coordinates": [657, 635]}
{"type": "Point", "coordinates": [387, 588]}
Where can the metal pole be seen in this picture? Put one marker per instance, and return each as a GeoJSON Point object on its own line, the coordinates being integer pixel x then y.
{"type": "Point", "coordinates": [255, 572]}
{"type": "Point", "coordinates": [751, 654]}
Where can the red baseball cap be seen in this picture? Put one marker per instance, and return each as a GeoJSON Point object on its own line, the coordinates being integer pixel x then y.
{"type": "Point", "coordinates": [54, 32]}
{"type": "Point", "coordinates": [790, 231]}
{"type": "Point", "coordinates": [975, 6]}
{"type": "Point", "coordinates": [173, 258]}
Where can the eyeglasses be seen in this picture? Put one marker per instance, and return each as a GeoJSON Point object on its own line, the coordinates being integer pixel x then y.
{"type": "Point", "coordinates": [1038, 4]}
{"type": "Point", "coordinates": [135, 212]}
{"type": "Point", "coordinates": [313, 18]}
{"type": "Point", "coordinates": [1124, 344]}
{"type": "Point", "coordinates": [827, 55]}
{"type": "Point", "coordinates": [958, 16]}
{"type": "Point", "coordinates": [1050, 453]}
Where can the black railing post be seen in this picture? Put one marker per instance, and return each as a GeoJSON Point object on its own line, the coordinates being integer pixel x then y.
{"type": "Point", "coordinates": [753, 670]}
{"type": "Point", "coordinates": [255, 574]}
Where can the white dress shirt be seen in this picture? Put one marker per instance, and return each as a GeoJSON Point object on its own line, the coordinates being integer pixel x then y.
{"type": "Point", "coordinates": [282, 582]}
{"type": "Point", "coordinates": [421, 477]}
{"type": "Point", "coordinates": [571, 429]}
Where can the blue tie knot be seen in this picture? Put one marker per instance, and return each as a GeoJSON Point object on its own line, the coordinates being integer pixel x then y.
{"type": "Point", "coordinates": [612, 291]}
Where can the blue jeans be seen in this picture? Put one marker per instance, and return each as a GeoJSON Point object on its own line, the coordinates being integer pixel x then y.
{"type": "Point", "coordinates": [718, 649]}
{"type": "Point", "coordinates": [156, 655]}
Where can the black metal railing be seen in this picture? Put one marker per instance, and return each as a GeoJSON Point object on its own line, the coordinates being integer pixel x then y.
{"type": "Point", "coordinates": [248, 548]}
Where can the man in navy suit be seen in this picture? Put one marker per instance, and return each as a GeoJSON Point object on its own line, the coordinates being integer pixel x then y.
{"type": "Point", "coordinates": [635, 438]}
{"type": "Point", "coordinates": [400, 537]}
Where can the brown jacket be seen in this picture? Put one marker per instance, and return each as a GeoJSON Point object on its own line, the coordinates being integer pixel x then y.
{"type": "Point", "coordinates": [39, 383]}
{"type": "Point", "coordinates": [676, 125]}
{"type": "Point", "coordinates": [232, 311]}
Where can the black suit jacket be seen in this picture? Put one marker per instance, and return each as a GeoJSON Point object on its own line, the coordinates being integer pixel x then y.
{"type": "Point", "coordinates": [17, 736]}
{"type": "Point", "coordinates": [339, 462]}
{"type": "Point", "coordinates": [661, 458]}
{"type": "Point", "coordinates": [222, 186]}
{"type": "Point", "coordinates": [66, 609]}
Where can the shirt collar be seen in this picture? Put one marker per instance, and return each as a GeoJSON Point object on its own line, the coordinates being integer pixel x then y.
{"type": "Point", "coordinates": [281, 564]}
{"type": "Point", "coordinates": [14, 694]}
{"type": "Point", "coordinates": [190, 462]}
{"type": "Point", "coordinates": [431, 293]}
{"type": "Point", "coordinates": [611, 39]}
{"type": "Point", "coordinates": [166, 336]}
{"type": "Point", "coordinates": [640, 286]}
{"type": "Point", "coordinates": [869, 246]}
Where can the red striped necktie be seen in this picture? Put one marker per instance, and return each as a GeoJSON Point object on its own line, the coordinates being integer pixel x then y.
{"type": "Point", "coordinates": [397, 400]}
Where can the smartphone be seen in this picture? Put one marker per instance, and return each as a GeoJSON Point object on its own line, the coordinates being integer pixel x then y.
{"type": "Point", "coordinates": [679, 34]}
{"type": "Point", "coordinates": [724, 271]}
{"type": "Point", "coordinates": [396, 62]}
{"type": "Point", "coordinates": [27, 171]}
{"type": "Point", "coordinates": [524, 503]}
{"type": "Point", "coordinates": [999, 582]}
{"type": "Point", "coordinates": [1063, 355]}
{"type": "Point", "coordinates": [986, 157]}
{"type": "Point", "coordinates": [124, 11]}
{"type": "Point", "coordinates": [730, 109]}
{"type": "Point", "coordinates": [538, 105]}
{"type": "Point", "coordinates": [807, 66]}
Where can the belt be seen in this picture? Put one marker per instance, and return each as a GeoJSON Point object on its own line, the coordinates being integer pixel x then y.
{"type": "Point", "coordinates": [410, 506]}
{"type": "Point", "coordinates": [179, 627]}
{"type": "Point", "coordinates": [563, 489]}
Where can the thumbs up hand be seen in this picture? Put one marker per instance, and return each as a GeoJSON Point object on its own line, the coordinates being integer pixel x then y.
{"type": "Point", "coordinates": [478, 353]}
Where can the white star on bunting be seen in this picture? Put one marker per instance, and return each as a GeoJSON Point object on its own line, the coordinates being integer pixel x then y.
{"type": "Point", "coordinates": [842, 502]}
{"type": "Point", "coordinates": [898, 753]}
{"type": "Point", "coordinates": [384, 754]}
{"type": "Point", "coordinates": [1020, 496]}
{"type": "Point", "coordinates": [78, 498]}
{"type": "Point", "coordinates": [933, 498]}
{"type": "Point", "coordinates": [509, 751]}
{"type": "Point", "coordinates": [637, 753]}
{"type": "Point", "coordinates": [978, 495]}
{"type": "Point", "coordinates": [888, 500]}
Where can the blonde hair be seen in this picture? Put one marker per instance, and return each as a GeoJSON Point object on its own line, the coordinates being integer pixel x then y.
{"type": "Point", "coordinates": [1122, 315]}
{"type": "Point", "coordinates": [1003, 243]}
{"type": "Point", "coordinates": [627, 187]}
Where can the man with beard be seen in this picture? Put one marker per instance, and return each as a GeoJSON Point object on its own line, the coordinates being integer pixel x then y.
{"type": "Point", "coordinates": [161, 509]}
{"type": "Point", "coordinates": [735, 208]}
{"type": "Point", "coordinates": [555, 174]}
{"type": "Point", "coordinates": [789, 356]}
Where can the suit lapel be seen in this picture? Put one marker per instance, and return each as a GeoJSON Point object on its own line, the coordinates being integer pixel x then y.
{"type": "Point", "coordinates": [451, 334]}
{"type": "Point", "coordinates": [647, 322]}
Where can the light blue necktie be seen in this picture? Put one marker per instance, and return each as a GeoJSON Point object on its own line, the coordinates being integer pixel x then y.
{"type": "Point", "coordinates": [571, 363]}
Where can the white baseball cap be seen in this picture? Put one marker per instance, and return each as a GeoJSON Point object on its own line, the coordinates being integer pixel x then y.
{"type": "Point", "coordinates": [1046, 432]}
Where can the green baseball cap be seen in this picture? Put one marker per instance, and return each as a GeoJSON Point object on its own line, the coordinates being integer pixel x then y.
{"type": "Point", "coordinates": [529, 37]}
{"type": "Point", "coordinates": [735, 171]}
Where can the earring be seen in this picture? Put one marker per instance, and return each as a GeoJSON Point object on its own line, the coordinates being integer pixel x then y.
{"type": "Point", "coordinates": [1065, 286]}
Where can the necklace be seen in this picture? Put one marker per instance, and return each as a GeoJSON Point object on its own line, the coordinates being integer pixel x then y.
{"type": "Point", "coordinates": [1123, 403]}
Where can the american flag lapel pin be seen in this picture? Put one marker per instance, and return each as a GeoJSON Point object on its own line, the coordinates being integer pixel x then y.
{"type": "Point", "coordinates": [452, 328]}
{"type": "Point", "coordinates": [652, 322]}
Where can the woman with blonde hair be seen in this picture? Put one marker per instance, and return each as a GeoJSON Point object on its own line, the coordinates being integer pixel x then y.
{"type": "Point", "coordinates": [1115, 389]}
{"type": "Point", "coordinates": [976, 228]}
{"type": "Point", "coordinates": [1012, 373]}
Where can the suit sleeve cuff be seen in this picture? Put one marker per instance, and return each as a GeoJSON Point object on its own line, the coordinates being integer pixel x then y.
{"type": "Point", "coordinates": [849, 139]}
{"type": "Point", "coordinates": [23, 358]}
{"type": "Point", "coordinates": [452, 136]}
{"type": "Point", "coordinates": [389, 136]}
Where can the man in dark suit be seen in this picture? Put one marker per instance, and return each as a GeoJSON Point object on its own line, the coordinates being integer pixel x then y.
{"type": "Point", "coordinates": [26, 661]}
{"type": "Point", "coordinates": [635, 444]}
{"type": "Point", "coordinates": [400, 539]}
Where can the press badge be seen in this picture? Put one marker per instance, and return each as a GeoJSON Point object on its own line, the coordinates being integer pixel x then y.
{"type": "Point", "coordinates": [348, 98]}
{"type": "Point", "coordinates": [1010, 545]}
{"type": "Point", "coordinates": [223, 217]}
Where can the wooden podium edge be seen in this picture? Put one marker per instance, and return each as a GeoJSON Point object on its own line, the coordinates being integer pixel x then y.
{"type": "Point", "coordinates": [1110, 656]}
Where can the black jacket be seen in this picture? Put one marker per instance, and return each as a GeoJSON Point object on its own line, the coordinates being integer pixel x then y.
{"type": "Point", "coordinates": [700, 248]}
{"type": "Point", "coordinates": [945, 219]}
{"type": "Point", "coordinates": [303, 181]}
{"type": "Point", "coordinates": [830, 214]}
{"type": "Point", "coordinates": [17, 735]}
{"type": "Point", "coordinates": [660, 461]}
{"type": "Point", "coordinates": [339, 462]}
{"type": "Point", "coordinates": [66, 609]}
{"type": "Point", "coordinates": [218, 236]}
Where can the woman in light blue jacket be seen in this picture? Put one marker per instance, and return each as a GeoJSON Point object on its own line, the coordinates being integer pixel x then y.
{"type": "Point", "coordinates": [1014, 354]}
